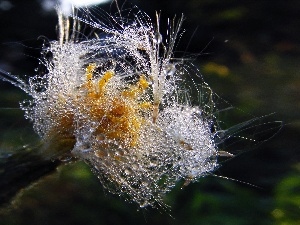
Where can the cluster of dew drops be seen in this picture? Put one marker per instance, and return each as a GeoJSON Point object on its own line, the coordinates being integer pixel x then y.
{"type": "Point", "coordinates": [119, 100]}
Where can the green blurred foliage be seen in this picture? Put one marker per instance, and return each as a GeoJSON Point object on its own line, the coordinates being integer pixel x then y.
{"type": "Point", "coordinates": [287, 200]}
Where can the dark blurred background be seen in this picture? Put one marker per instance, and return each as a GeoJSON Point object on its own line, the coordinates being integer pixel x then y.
{"type": "Point", "coordinates": [248, 52]}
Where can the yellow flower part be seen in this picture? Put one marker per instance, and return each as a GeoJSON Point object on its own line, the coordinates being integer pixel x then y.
{"type": "Point", "coordinates": [119, 117]}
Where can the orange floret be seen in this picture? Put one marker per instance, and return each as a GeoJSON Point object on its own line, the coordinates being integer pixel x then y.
{"type": "Point", "coordinates": [119, 116]}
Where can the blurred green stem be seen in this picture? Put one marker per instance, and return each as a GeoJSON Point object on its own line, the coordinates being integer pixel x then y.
{"type": "Point", "coordinates": [20, 169]}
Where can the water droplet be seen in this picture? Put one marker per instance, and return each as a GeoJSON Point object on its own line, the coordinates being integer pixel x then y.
{"type": "Point", "coordinates": [119, 153]}
{"type": "Point", "coordinates": [101, 153]}
{"type": "Point", "coordinates": [128, 171]}
{"type": "Point", "coordinates": [100, 137]}
{"type": "Point", "coordinates": [169, 69]}
{"type": "Point", "coordinates": [157, 38]}
{"type": "Point", "coordinates": [145, 183]}
{"type": "Point", "coordinates": [65, 158]}
{"type": "Point", "coordinates": [144, 204]}
{"type": "Point", "coordinates": [135, 166]}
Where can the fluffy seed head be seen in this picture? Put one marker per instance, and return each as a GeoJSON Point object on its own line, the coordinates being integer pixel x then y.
{"type": "Point", "coordinates": [118, 99]}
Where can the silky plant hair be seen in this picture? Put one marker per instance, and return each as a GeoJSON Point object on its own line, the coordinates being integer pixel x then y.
{"type": "Point", "coordinates": [115, 96]}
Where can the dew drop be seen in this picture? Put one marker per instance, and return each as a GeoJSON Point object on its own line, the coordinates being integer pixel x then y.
{"type": "Point", "coordinates": [128, 171]}
{"type": "Point", "coordinates": [118, 153]}
{"type": "Point", "coordinates": [135, 166]}
{"type": "Point", "coordinates": [65, 158]}
{"type": "Point", "coordinates": [157, 38]}
{"type": "Point", "coordinates": [169, 69]}
{"type": "Point", "coordinates": [144, 204]}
